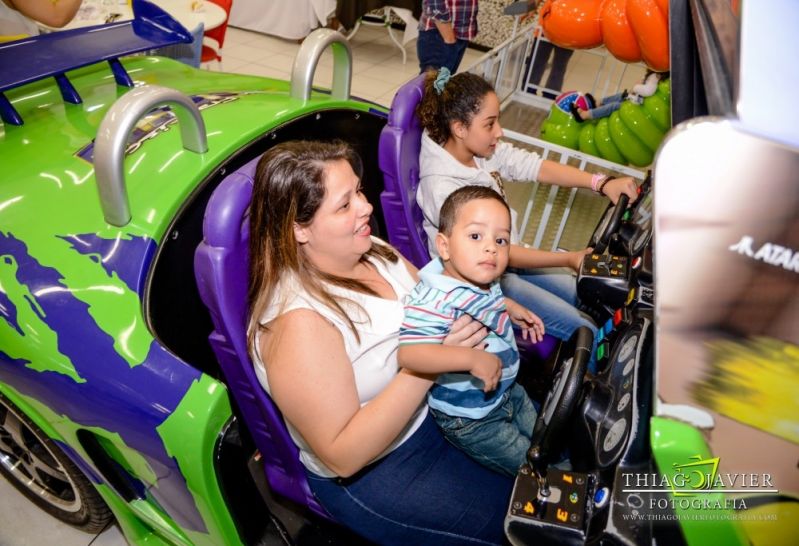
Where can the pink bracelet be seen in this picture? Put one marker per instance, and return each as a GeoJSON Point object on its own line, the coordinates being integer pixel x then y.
{"type": "Point", "coordinates": [596, 179]}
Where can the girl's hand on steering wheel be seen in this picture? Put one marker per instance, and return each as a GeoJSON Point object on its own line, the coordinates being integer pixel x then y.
{"type": "Point", "coordinates": [466, 332]}
{"type": "Point", "coordinates": [623, 185]}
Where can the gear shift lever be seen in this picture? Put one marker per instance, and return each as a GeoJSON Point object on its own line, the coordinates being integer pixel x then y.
{"type": "Point", "coordinates": [539, 465]}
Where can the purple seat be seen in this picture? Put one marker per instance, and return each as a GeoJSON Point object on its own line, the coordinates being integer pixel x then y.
{"type": "Point", "coordinates": [400, 144]}
{"type": "Point", "coordinates": [221, 270]}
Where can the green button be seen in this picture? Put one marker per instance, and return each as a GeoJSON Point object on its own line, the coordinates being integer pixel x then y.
{"type": "Point", "coordinates": [600, 352]}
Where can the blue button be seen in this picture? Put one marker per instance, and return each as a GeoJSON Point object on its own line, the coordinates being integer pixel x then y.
{"type": "Point", "coordinates": [608, 327]}
{"type": "Point", "coordinates": [601, 497]}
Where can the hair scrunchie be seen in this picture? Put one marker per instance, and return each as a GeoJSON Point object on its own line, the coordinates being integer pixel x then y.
{"type": "Point", "coordinates": [441, 79]}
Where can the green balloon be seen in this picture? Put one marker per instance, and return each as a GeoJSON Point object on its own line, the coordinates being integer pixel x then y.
{"type": "Point", "coordinates": [560, 128]}
{"type": "Point", "coordinates": [664, 87]}
{"type": "Point", "coordinates": [628, 144]}
{"type": "Point", "coordinates": [657, 109]}
{"type": "Point", "coordinates": [638, 122]}
{"type": "Point", "coordinates": [587, 141]}
{"type": "Point", "coordinates": [607, 149]}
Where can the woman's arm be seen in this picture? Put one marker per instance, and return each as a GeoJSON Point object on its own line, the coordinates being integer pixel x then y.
{"type": "Point", "coordinates": [312, 383]}
{"type": "Point", "coordinates": [51, 13]}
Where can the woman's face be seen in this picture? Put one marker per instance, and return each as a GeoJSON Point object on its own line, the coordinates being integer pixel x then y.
{"type": "Point", "coordinates": [482, 135]}
{"type": "Point", "coordinates": [339, 233]}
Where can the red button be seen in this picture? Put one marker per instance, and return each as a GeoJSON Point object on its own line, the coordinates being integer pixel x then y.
{"type": "Point", "coordinates": [636, 262]}
{"type": "Point", "coordinates": [617, 317]}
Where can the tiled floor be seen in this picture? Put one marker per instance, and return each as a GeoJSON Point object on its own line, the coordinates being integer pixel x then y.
{"type": "Point", "coordinates": [23, 524]}
{"type": "Point", "coordinates": [377, 63]}
{"type": "Point", "coordinates": [378, 72]}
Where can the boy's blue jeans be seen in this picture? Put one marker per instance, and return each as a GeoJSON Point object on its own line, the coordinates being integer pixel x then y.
{"type": "Point", "coordinates": [499, 440]}
{"type": "Point", "coordinates": [553, 297]}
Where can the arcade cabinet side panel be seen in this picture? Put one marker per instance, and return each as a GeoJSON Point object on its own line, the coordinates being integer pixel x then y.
{"type": "Point", "coordinates": [727, 299]}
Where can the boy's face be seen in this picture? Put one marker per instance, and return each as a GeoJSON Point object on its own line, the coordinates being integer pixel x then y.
{"type": "Point", "coordinates": [477, 249]}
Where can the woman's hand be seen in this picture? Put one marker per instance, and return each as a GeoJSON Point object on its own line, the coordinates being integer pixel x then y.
{"type": "Point", "coordinates": [532, 326]}
{"type": "Point", "coordinates": [466, 332]}
{"type": "Point", "coordinates": [614, 188]}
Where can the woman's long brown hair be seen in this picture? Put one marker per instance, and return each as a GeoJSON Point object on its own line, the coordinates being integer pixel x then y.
{"type": "Point", "coordinates": [289, 187]}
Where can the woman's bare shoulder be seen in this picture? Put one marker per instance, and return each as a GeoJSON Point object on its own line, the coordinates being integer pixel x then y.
{"type": "Point", "coordinates": [299, 321]}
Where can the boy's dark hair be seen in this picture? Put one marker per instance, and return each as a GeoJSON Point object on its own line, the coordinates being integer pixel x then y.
{"type": "Point", "coordinates": [453, 204]}
{"type": "Point", "coordinates": [460, 100]}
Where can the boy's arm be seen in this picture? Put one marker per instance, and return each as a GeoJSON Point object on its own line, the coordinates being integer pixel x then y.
{"type": "Point", "coordinates": [432, 358]}
{"type": "Point", "coordinates": [423, 348]}
{"type": "Point", "coordinates": [435, 358]}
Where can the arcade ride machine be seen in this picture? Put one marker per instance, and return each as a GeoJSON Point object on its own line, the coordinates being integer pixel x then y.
{"type": "Point", "coordinates": [718, 384]}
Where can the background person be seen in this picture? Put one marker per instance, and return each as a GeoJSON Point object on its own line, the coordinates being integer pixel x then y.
{"type": "Point", "coordinates": [445, 29]}
{"type": "Point", "coordinates": [18, 18]}
{"type": "Point", "coordinates": [608, 105]}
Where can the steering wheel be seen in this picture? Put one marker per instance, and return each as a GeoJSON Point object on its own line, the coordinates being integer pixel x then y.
{"type": "Point", "coordinates": [567, 385]}
{"type": "Point", "coordinates": [608, 225]}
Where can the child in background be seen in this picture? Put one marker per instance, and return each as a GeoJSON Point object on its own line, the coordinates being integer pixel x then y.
{"type": "Point", "coordinates": [610, 104]}
{"type": "Point", "coordinates": [475, 401]}
{"type": "Point", "coordinates": [461, 147]}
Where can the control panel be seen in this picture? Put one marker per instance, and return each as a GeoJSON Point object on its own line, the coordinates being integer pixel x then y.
{"type": "Point", "coordinates": [562, 515]}
{"type": "Point", "coordinates": [604, 280]}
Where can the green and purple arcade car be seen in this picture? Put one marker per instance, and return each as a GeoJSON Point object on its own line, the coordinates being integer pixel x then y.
{"type": "Point", "coordinates": [125, 391]}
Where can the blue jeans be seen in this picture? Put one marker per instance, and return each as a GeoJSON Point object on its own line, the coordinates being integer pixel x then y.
{"type": "Point", "coordinates": [607, 106]}
{"type": "Point", "coordinates": [551, 296]}
{"type": "Point", "coordinates": [434, 52]}
{"type": "Point", "coordinates": [499, 440]}
{"type": "Point", "coordinates": [424, 492]}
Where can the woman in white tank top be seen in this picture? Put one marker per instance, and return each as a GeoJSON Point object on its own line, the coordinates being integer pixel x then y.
{"type": "Point", "coordinates": [326, 303]}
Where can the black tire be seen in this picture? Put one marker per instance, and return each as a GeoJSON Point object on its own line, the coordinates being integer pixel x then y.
{"type": "Point", "coordinates": [37, 467]}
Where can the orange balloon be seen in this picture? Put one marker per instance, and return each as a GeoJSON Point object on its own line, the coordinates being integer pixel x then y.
{"type": "Point", "coordinates": [664, 7]}
{"type": "Point", "coordinates": [617, 32]}
{"type": "Point", "coordinates": [572, 23]}
{"type": "Point", "coordinates": [651, 26]}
